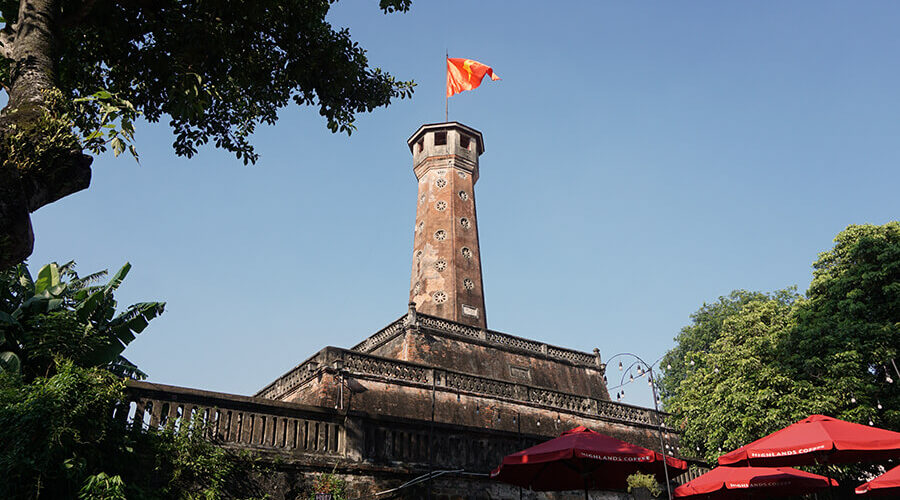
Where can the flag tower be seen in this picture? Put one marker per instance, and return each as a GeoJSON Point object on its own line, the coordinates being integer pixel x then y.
{"type": "Point", "coordinates": [446, 272]}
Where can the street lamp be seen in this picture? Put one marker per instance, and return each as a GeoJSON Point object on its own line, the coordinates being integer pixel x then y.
{"type": "Point", "coordinates": [651, 380]}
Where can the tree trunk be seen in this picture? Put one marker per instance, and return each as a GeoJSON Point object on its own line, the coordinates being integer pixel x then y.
{"type": "Point", "coordinates": [31, 46]}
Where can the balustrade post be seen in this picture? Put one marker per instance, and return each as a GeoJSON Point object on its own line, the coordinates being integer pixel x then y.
{"type": "Point", "coordinates": [137, 424]}
{"type": "Point", "coordinates": [354, 443]}
{"type": "Point", "coordinates": [412, 319]}
{"type": "Point", "coordinates": [521, 392]}
{"type": "Point", "coordinates": [330, 356]}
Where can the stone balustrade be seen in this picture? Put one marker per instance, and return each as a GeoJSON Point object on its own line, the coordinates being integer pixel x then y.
{"type": "Point", "coordinates": [381, 336]}
{"type": "Point", "coordinates": [235, 420]}
{"type": "Point", "coordinates": [296, 377]}
{"type": "Point", "coordinates": [306, 432]}
{"type": "Point", "coordinates": [503, 340]}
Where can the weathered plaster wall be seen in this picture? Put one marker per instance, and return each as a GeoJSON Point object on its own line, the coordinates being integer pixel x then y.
{"type": "Point", "coordinates": [386, 398]}
{"type": "Point", "coordinates": [492, 362]}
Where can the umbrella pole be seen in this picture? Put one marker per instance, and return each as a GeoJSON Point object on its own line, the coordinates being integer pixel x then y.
{"type": "Point", "coordinates": [586, 494]}
{"type": "Point", "coordinates": [827, 476]}
{"type": "Point", "coordinates": [830, 487]}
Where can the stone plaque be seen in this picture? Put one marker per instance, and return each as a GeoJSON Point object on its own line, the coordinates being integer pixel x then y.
{"type": "Point", "coordinates": [470, 311]}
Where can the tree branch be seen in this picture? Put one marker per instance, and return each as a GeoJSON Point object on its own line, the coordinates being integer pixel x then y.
{"type": "Point", "coordinates": [7, 37]}
{"type": "Point", "coordinates": [76, 18]}
{"type": "Point", "coordinates": [37, 165]}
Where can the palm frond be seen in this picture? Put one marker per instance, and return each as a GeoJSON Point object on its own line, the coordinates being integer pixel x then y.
{"type": "Point", "coordinates": [117, 278]}
{"type": "Point", "coordinates": [68, 270]}
{"type": "Point", "coordinates": [133, 321]}
{"type": "Point", "coordinates": [80, 283]}
{"type": "Point", "coordinates": [125, 369]}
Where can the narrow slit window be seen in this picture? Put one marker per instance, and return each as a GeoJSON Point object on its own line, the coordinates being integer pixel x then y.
{"type": "Point", "coordinates": [440, 138]}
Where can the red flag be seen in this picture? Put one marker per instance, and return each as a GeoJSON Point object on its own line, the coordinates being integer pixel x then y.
{"type": "Point", "coordinates": [466, 74]}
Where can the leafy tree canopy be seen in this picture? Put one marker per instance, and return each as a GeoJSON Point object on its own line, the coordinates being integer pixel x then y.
{"type": "Point", "coordinates": [62, 315]}
{"type": "Point", "coordinates": [78, 73]}
{"type": "Point", "coordinates": [764, 361]}
{"type": "Point", "coordinates": [705, 328]}
{"type": "Point", "coordinates": [847, 338]}
{"type": "Point", "coordinates": [736, 389]}
{"type": "Point", "coordinates": [61, 378]}
{"type": "Point", "coordinates": [59, 440]}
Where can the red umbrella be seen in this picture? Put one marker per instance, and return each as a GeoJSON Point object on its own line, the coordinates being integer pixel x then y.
{"type": "Point", "coordinates": [817, 439]}
{"type": "Point", "coordinates": [741, 482]}
{"type": "Point", "coordinates": [581, 459]}
{"type": "Point", "coordinates": [885, 485]}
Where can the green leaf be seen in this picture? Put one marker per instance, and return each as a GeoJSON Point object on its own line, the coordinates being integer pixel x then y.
{"type": "Point", "coordinates": [86, 308]}
{"type": "Point", "coordinates": [25, 278]}
{"type": "Point", "coordinates": [8, 320]}
{"type": "Point", "coordinates": [117, 278]}
{"type": "Point", "coordinates": [48, 277]}
{"type": "Point", "coordinates": [117, 145]}
{"type": "Point", "coordinates": [135, 320]}
{"type": "Point", "coordinates": [125, 369]}
{"type": "Point", "coordinates": [9, 362]}
{"type": "Point", "coordinates": [134, 153]}
{"type": "Point", "coordinates": [33, 305]}
{"type": "Point", "coordinates": [103, 354]}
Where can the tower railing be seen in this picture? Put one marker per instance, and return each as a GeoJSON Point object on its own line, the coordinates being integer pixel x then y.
{"type": "Point", "coordinates": [497, 339]}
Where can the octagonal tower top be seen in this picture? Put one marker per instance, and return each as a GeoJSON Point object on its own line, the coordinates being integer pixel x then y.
{"type": "Point", "coordinates": [444, 140]}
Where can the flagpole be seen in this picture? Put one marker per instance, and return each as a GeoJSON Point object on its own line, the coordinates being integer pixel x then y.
{"type": "Point", "coordinates": [446, 97]}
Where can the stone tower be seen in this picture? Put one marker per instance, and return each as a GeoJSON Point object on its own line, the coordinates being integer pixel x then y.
{"type": "Point", "coordinates": [446, 270]}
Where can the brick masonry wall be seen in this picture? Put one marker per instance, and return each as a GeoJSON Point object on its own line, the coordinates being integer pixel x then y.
{"type": "Point", "coordinates": [488, 361]}
{"type": "Point", "coordinates": [387, 398]}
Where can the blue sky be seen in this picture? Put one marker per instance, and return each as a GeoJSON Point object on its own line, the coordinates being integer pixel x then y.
{"type": "Point", "coordinates": [641, 158]}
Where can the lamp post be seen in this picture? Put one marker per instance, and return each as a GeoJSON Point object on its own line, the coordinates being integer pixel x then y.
{"type": "Point", "coordinates": [662, 447]}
